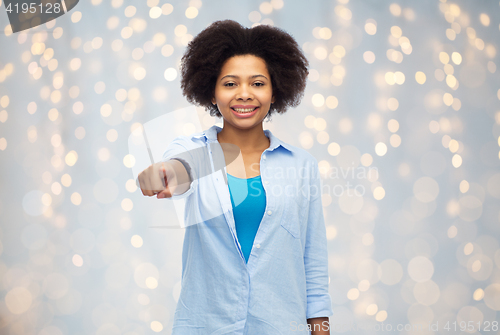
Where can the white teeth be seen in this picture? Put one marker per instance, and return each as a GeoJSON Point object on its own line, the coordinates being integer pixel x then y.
{"type": "Point", "coordinates": [244, 110]}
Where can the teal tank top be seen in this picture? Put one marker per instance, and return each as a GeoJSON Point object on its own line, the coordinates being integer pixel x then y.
{"type": "Point", "coordinates": [249, 211]}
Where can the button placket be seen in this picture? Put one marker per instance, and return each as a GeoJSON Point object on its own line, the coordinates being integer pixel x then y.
{"type": "Point", "coordinates": [269, 203]}
{"type": "Point", "coordinates": [225, 203]}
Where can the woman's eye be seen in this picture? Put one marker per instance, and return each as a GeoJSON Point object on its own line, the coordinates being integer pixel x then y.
{"type": "Point", "coordinates": [233, 84]}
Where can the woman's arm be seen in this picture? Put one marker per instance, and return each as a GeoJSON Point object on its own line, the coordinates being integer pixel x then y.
{"type": "Point", "coordinates": [319, 326]}
{"type": "Point", "coordinates": [319, 303]}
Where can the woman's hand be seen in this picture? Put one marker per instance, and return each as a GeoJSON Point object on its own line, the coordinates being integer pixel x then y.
{"type": "Point", "coordinates": [164, 179]}
{"type": "Point", "coordinates": [319, 326]}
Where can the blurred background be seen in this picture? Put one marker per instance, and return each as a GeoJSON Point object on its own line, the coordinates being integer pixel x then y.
{"type": "Point", "coordinates": [401, 111]}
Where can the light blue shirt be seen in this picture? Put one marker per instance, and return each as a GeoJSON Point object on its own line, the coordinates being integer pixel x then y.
{"type": "Point", "coordinates": [248, 214]}
{"type": "Point", "coordinates": [285, 281]}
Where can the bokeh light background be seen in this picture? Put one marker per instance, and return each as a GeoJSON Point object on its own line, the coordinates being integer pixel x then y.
{"type": "Point", "coordinates": [401, 110]}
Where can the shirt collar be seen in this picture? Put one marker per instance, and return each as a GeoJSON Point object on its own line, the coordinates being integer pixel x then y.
{"type": "Point", "coordinates": [211, 135]}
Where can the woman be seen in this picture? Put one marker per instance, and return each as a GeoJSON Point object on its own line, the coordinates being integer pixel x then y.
{"type": "Point", "coordinates": [254, 255]}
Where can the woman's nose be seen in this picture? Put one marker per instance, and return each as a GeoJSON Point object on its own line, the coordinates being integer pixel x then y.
{"type": "Point", "coordinates": [244, 92]}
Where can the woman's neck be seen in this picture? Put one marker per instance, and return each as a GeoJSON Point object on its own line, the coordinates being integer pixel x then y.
{"type": "Point", "coordinates": [248, 140]}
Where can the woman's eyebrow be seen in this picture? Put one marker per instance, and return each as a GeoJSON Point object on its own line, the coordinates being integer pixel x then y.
{"type": "Point", "coordinates": [237, 77]}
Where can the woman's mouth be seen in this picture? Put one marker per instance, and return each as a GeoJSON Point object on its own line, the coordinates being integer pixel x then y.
{"type": "Point", "coordinates": [244, 112]}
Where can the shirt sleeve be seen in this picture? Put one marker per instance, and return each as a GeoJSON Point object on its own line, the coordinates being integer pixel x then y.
{"type": "Point", "coordinates": [177, 150]}
{"type": "Point", "coordinates": [316, 254]}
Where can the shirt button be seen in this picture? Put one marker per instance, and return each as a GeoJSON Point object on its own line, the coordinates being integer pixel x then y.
{"type": "Point", "coordinates": [266, 182]}
{"type": "Point", "coordinates": [269, 212]}
{"type": "Point", "coordinates": [257, 245]}
{"type": "Point", "coordinates": [263, 156]}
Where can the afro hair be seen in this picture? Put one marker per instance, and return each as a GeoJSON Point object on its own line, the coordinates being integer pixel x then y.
{"type": "Point", "coordinates": [211, 48]}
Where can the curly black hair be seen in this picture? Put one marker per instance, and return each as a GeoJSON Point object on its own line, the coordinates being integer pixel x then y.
{"type": "Point", "coordinates": [211, 48]}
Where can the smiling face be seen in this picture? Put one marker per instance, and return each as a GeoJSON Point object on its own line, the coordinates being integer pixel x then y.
{"type": "Point", "coordinates": [243, 91]}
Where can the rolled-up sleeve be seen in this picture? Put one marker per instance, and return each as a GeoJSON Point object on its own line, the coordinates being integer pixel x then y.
{"type": "Point", "coordinates": [177, 150]}
{"type": "Point", "coordinates": [316, 254]}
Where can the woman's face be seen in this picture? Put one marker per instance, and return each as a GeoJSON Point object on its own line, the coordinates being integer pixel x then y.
{"type": "Point", "coordinates": [243, 91]}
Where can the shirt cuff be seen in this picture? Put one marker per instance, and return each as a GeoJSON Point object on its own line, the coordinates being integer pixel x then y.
{"type": "Point", "coordinates": [194, 181]}
{"type": "Point", "coordinates": [319, 306]}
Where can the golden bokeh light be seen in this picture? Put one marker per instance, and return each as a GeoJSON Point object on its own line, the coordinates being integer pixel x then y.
{"type": "Point", "coordinates": [396, 31]}
{"type": "Point", "coordinates": [392, 104]}
{"type": "Point", "coordinates": [66, 180]}
{"type": "Point", "coordinates": [71, 158]}
{"type": "Point", "coordinates": [371, 27]}
{"type": "Point", "coordinates": [464, 186]}
{"type": "Point", "coordinates": [485, 19]}
{"type": "Point", "coordinates": [334, 149]}
{"type": "Point", "coordinates": [76, 198]}
{"type": "Point", "coordinates": [379, 193]}
{"type": "Point", "coordinates": [127, 204]}
{"type": "Point", "coordinates": [369, 57]}
{"type": "Point", "coordinates": [444, 57]}
{"type": "Point", "coordinates": [353, 294]}
{"type": "Point", "coordinates": [395, 140]}
{"type": "Point", "coordinates": [456, 58]}
{"type": "Point", "coordinates": [318, 100]}
{"type": "Point", "coordinates": [167, 9]}
{"type": "Point", "coordinates": [380, 149]}
{"type": "Point", "coordinates": [136, 241]}
{"type": "Point", "coordinates": [332, 102]}
{"type": "Point", "coordinates": [456, 160]}
{"type": "Point", "coordinates": [395, 9]}
{"type": "Point", "coordinates": [156, 326]}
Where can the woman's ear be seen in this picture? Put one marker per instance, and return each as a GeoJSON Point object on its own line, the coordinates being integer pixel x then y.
{"type": "Point", "coordinates": [272, 100]}
{"type": "Point", "coordinates": [213, 101]}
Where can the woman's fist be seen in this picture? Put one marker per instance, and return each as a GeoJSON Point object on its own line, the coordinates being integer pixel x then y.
{"type": "Point", "coordinates": [164, 179]}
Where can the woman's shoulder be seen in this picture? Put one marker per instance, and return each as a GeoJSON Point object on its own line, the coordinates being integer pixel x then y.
{"type": "Point", "coordinates": [200, 138]}
{"type": "Point", "coordinates": [190, 141]}
{"type": "Point", "coordinates": [300, 154]}
{"type": "Point", "coordinates": [185, 146]}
